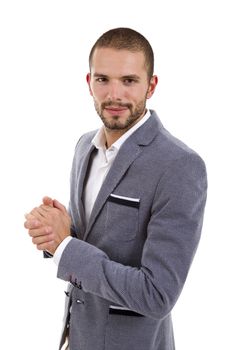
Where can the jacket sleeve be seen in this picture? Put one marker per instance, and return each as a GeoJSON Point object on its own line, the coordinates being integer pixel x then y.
{"type": "Point", "coordinates": [173, 234]}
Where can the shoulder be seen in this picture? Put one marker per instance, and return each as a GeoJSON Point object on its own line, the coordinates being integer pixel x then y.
{"type": "Point", "coordinates": [171, 149]}
{"type": "Point", "coordinates": [166, 157]}
{"type": "Point", "coordinates": [86, 138]}
{"type": "Point", "coordinates": [83, 146]}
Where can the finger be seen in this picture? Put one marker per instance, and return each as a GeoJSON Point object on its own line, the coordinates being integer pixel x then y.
{"type": "Point", "coordinates": [32, 224]}
{"type": "Point", "coordinates": [48, 201]}
{"type": "Point", "coordinates": [41, 212]}
{"type": "Point", "coordinates": [42, 231]}
{"type": "Point", "coordinates": [59, 206]}
{"type": "Point", "coordinates": [34, 215]}
{"type": "Point", "coordinates": [29, 216]}
{"type": "Point", "coordinates": [43, 239]}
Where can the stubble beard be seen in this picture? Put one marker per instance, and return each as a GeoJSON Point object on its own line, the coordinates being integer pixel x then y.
{"type": "Point", "coordinates": [114, 123]}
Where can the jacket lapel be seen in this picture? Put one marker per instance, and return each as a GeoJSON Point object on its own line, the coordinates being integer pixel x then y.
{"type": "Point", "coordinates": [80, 181]}
{"type": "Point", "coordinates": [124, 159]}
{"type": "Point", "coordinates": [128, 152]}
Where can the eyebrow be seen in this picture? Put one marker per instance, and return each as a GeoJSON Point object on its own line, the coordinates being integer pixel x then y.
{"type": "Point", "coordinates": [100, 75]}
{"type": "Point", "coordinates": [129, 76]}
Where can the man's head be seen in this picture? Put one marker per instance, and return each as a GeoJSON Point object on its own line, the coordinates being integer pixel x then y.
{"type": "Point", "coordinates": [121, 78]}
{"type": "Point", "coordinates": [126, 39]}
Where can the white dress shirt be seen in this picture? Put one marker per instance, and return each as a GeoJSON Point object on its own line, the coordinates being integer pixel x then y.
{"type": "Point", "coordinates": [100, 166]}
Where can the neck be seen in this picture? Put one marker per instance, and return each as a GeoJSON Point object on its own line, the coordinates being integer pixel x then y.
{"type": "Point", "coordinates": [112, 136]}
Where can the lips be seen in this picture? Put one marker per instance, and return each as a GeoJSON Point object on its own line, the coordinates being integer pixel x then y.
{"type": "Point", "coordinates": [116, 109]}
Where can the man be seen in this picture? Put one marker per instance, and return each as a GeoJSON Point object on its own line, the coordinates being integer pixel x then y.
{"type": "Point", "coordinates": [135, 215]}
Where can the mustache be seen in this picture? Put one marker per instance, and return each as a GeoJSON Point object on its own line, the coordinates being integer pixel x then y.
{"type": "Point", "coordinates": [115, 104]}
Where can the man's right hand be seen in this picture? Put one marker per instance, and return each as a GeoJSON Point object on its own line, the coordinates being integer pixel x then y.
{"type": "Point", "coordinates": [48, 225]}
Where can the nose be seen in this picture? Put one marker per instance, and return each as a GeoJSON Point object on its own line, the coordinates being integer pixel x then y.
{"type": "Point", "coordinates": [115, 91]}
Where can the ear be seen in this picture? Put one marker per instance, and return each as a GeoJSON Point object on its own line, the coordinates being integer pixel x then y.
{"type": "Point", "coordinates": [152, 86]}
{"type": "Point", "coordinates": [88, 79]}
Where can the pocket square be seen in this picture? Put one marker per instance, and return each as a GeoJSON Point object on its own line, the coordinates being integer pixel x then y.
{"type": "Point", "coordinates": [127, 201]}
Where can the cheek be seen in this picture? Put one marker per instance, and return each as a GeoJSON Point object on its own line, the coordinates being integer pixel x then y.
{"type": "Point", "coordinates": [99, 94]}
{"type": "Point", "coordinates": [136, 96]}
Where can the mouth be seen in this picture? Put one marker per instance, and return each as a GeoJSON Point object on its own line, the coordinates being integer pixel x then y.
{"type": "Point", "coordinates": [116, 110]}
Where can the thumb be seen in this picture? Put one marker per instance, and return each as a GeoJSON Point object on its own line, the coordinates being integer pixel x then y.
{"type": "Point", "coordinates": [59, 206]}
{"type": "Point", "coordinates": [48, 201]}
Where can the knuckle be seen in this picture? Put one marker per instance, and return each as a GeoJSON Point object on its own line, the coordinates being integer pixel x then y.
{"type": "Point", "coordinates": [48, 229]}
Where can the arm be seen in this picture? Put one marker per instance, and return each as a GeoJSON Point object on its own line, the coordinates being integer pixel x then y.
{"type": "Point", "coordinates": [172, 237]}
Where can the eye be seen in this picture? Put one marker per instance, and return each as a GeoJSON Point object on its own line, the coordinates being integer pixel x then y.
{"type": "Point", "coordinates": [129, 81]}
{"type": "Point", "coordinates": [101, 80]}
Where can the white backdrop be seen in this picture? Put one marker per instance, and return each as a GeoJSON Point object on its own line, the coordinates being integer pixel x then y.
{"type": "Point", "coordinates": [44, 108]}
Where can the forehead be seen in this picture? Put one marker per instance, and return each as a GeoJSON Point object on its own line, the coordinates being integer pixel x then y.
{"type": "Point", "coordinates": [123, 62]}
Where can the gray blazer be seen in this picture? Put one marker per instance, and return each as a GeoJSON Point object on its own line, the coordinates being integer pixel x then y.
{"type": "Point", "coordinates": [127, 267]}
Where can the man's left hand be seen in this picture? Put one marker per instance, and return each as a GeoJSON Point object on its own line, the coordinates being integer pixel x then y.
{"type": "Point", "coordinates": [48, 225]}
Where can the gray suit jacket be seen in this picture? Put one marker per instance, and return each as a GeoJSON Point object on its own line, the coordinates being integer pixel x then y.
{"type": "Point", "coordinates": [127, 267]}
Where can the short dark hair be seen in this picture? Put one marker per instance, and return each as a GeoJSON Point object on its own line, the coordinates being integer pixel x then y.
{"type": "Point", "coordinates": [126, 39]}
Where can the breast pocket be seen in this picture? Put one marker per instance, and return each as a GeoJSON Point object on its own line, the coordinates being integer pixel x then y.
{"type": "Point", "coordinates": [122, 218]}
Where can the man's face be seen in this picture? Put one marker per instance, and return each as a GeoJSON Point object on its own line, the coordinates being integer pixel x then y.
{"type": "Point", "coordinates": [119, 85]}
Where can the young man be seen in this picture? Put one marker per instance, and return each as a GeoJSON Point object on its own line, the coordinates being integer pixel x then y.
{"type": "Point", "coordinates": [136, 209]}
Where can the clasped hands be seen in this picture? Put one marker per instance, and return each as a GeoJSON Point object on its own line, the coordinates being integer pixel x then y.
{"type": "Point", "coordinates": [48, 225]}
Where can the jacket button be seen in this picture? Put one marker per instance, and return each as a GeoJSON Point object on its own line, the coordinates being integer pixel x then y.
{"type": "Point", "coordinates": [78, 301]}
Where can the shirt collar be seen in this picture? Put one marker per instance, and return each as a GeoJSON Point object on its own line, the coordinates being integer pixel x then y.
{"type": "Point", "coordinates": [99, 140]}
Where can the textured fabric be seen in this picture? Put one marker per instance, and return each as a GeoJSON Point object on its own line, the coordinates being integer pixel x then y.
{"type": "Point", "coordinates": [135, 256]}
{"type": "Point", "coordinates": [58, 253]}
{"type": "Point", "coordinates": [102, 162]}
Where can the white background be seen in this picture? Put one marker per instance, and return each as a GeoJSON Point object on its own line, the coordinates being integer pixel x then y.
{"type": "Point", "coordinates": [44, 108]}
